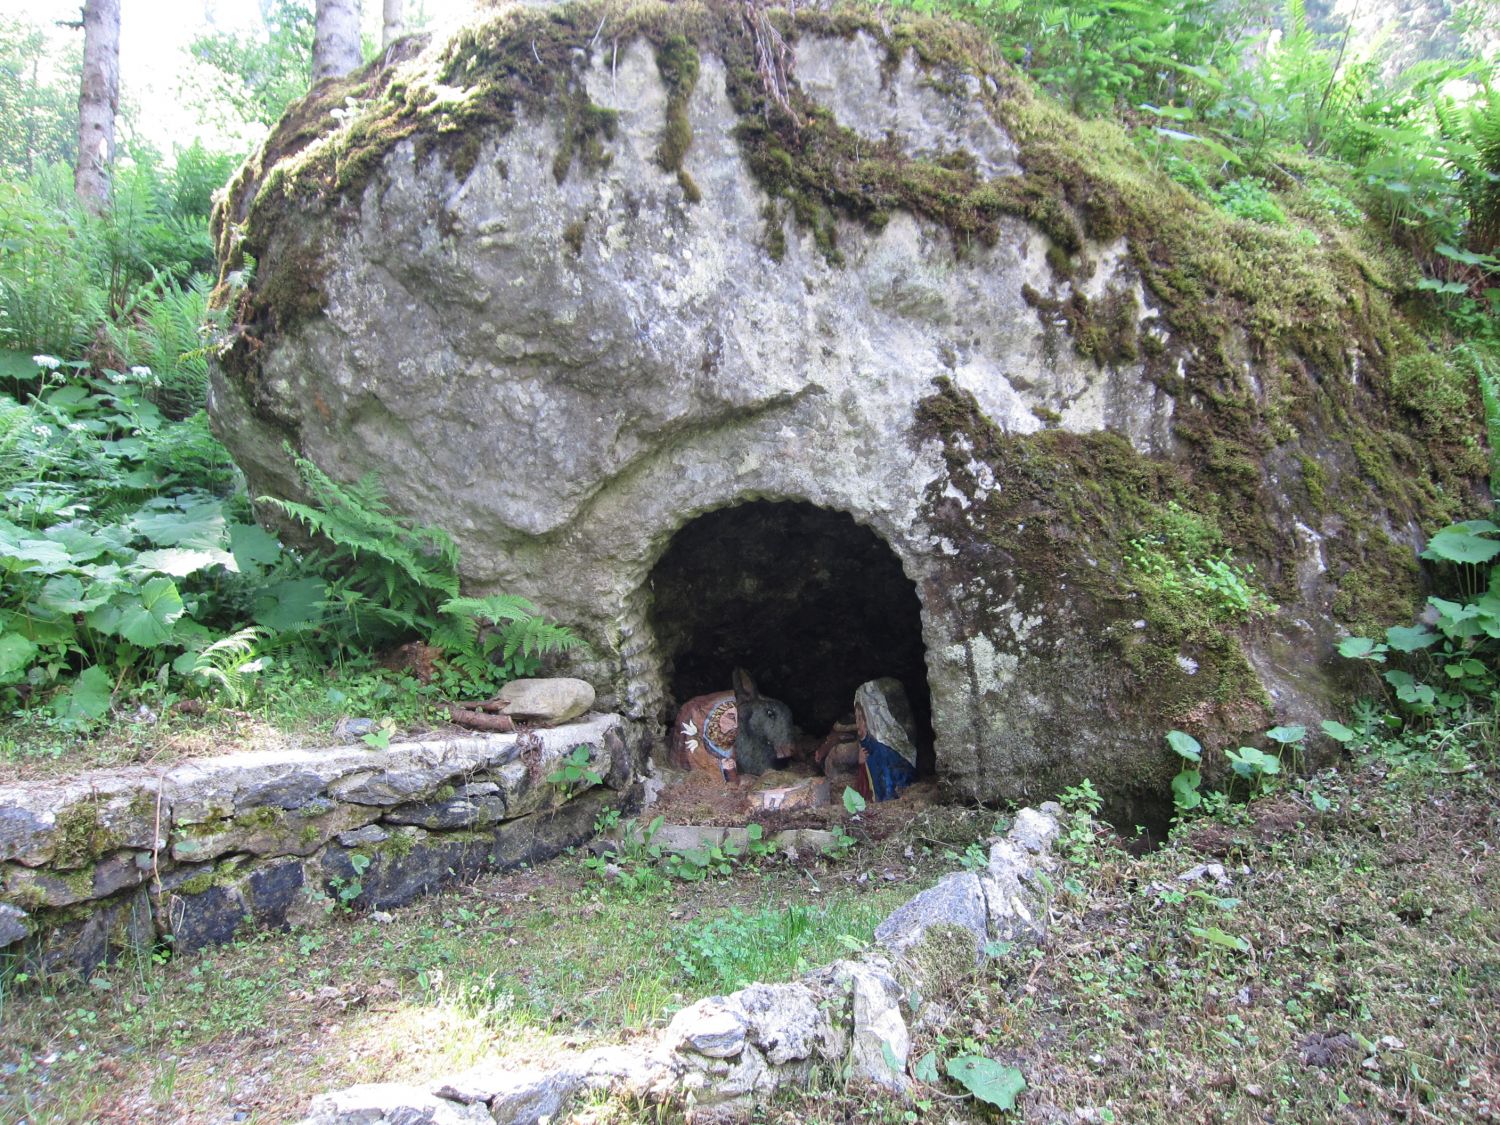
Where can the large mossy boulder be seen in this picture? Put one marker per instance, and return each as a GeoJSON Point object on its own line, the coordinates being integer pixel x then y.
{"type": "Point", "coordinates": [578, 275]}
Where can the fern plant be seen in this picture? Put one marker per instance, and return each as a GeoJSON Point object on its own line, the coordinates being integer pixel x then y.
{"type": "Point", "coordinates": [386, 577]}
{"type": "Point", "coordinates": [388, 581]}
{"type": "Point", "coordinates": [474, 630]}
{"type": "Point", "coordinates": [163, 326]}
{"type": "Point", "coordinates": [1473, 136]}
{"type": "Point", "coordinates": [227, 664]}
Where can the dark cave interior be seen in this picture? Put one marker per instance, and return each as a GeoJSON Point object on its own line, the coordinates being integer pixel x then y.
{"type": "Point", "coordinates": [810, 602]}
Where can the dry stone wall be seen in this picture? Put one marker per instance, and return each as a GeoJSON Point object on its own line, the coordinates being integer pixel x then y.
{"type": "Point", "coordinates": [118, 860]}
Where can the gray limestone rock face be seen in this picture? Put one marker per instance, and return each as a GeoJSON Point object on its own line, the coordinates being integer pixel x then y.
{"type": "Point", "coordinates": [956, 901]}
{"type": "Point", "coordinates": [850, 78]}
{"type": "Point", "coordinates": [70, 824]}
{"type": "Point", "coordinates": [389, 1103]}
{"type": "Point", "coordinates": [712, 1028]}
{"type": "Point", "coordinates": [563, 352]}
{"type": "Point", "coordinates": [879, 1036]}
{"type": "Point", "coordinates": [13, 926]}
{"type": "Point", "coordinates": [787, 1023]}
{"type": "Point", "coordinates": [119, 924]}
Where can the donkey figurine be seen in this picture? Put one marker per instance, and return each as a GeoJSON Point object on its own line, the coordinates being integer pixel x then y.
{"type": "Point", "coordinates": [735, 732]}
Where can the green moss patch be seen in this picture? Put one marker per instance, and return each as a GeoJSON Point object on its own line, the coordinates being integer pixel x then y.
{"type": "Point", "coordinates": [1069, 512]}
{"type": "Point", "coordinates": [677, 63]}
{"type": "Point", "coordinates": [82, 836]}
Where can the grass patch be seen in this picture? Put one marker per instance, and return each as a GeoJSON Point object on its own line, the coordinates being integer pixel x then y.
{"type": "Point", "coordinates": [1348, 970]}
{"type": "Point", "coordinates": [515, 967]}
{"type": "Point", "coordinates": [289, 709]}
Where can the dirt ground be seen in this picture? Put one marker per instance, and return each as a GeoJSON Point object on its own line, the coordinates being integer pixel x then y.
{"type": "Point", "coordinates": [706, 799]}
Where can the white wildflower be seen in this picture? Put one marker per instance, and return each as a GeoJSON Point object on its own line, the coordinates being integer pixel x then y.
{"type": "Point", "coordinates": [114, 377]}
{"type": "Point", "coordinates": [141, 372]}
{"type": "Point", "coordinates": [41, 431]}
{"type": "Point", "coordinates": [76, 427]}
{"type": "Point", "coordinates": [50, 362]}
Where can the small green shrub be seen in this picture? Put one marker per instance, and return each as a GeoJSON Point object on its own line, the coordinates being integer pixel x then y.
{"type": "Point", "coordinates": [1250, 199]}
{"type": "Point", "coordinates": [1185, 795]}
{"type": "Point", "coordinates": [742, 947]}
{"type": "Point", "coordinates": [1440, 682]}
{"type": "Point", "coordinates": [1181, 560]}
{"type": "Point", "coordinates": [574, 772]}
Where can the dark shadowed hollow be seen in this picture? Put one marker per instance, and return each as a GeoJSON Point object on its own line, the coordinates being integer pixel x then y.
{"type": "Point", "coordinates": [809, 602]}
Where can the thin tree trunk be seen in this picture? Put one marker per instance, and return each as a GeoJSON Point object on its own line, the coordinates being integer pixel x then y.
{"type": "Point", "coordinates": [335, 39]}
{"type": "Point", "coordinates": [31, 117]}
{"type": "Point", "coordinates": [394, 24]}
{"type": "Point", "coordinates": [98, 101]}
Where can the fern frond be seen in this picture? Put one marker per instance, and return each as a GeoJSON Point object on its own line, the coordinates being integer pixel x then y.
{"type": "Point", "coordinates": [495, 608]}
{"type": "Point", "coordinates": [236, 646]}
{"type": "Point", "coordinates": [536, 636]}
{"type": "Point", "coordinates": [228, 661]}
{"type": "Point", "coordinates": [412, 566]}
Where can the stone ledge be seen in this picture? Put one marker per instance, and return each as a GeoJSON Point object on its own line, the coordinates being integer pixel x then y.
{"type": "Point", "coordinates": [118, 859]}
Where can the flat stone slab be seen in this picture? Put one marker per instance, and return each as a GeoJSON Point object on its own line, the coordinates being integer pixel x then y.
{"type": "Point", "coordinates": [554, 700]}
{"type": "Point", "coordinates": [810, 793]}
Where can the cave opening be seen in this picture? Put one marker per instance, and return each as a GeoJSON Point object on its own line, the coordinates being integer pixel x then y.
{"type": "Point", "coordinates": [808, 601]}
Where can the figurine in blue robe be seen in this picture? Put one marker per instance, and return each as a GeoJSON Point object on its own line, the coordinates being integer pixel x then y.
{"type": "Point", "coordinates": [882, 719]}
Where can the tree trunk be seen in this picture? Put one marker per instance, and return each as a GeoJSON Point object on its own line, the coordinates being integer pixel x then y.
{"type": "Point", "coordinates": [394, 25]}
{"type": "Point", "coordinates": [335, 39]}
{"type": "Point", "coordinates": [98, 101]}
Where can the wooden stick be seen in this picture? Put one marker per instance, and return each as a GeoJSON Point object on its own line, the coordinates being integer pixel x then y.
{"type": "Point", "coordinates": [476, 719]}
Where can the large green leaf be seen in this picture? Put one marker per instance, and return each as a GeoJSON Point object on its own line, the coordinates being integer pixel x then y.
{"type": "Point", "coordinates": [254, 547]}
{"type": "Point", "coordinates": [1287, 735]}
{"type": "Point", "coordinates": [1215, 936]}
{"type": "Point", "coordinates": [1461, 544]}
{"type": "Point", "coordinates": [87, 700]}
{"type": "Point", "coordinates": [294, 604]}
{"type": "Point", "coordinates": [987, 1080]}
{"type": "Point", "coordinates": [196, 523]}
{"type": "Point", "coordinates": [179, 562]}
{"type": "Point", "coordinates": [84, 544]}
{"type": "Point", "coordinates": [147, 620]}
{"type": "Point", "coordinates": [1410, 638]}
{"type": "Point", "coordinates": [1457, 619]}
{"type": "Point", "coordinates": [1185, 745]}
{"type": "Point", "coordinates": [16, 364]}
{"type": "Point", "coordinates": [67, 595]}
{"type": "Point", "coordinates": [1248, 762]}
{"type": "Point", "coordinates": [1185, 793]}
{"type": "Point", "coordinates": [40, 555]}
{"type": "Point", "coordinates": [1408, 690]}
{"type": "Point", "coordinates": [1362, 648]}
{"type": "Point", "coordinates": [16, 653]}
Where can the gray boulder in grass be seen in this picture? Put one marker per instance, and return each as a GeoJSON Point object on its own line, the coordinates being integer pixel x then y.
{"type": "Point", "coordinates": [551, 700]}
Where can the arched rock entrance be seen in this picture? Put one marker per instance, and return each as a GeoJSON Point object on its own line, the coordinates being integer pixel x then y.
{"type": "Point", "coordinates": [809, 601]}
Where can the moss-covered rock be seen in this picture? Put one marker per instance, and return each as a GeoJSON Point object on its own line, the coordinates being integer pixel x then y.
{"type": "Point", "coordinates": [579, 274]}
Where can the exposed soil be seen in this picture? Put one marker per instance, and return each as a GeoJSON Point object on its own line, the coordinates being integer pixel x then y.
{"type": "Point", "coordinates": [706, 799]}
